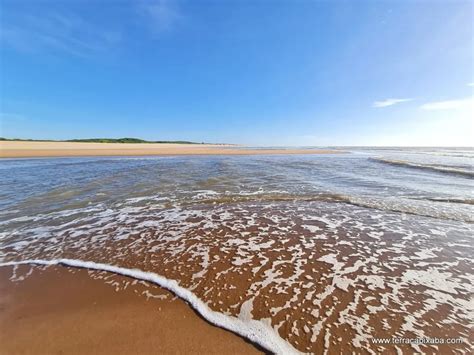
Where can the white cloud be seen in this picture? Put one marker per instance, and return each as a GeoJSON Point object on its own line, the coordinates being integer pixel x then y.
{"type": "Point", "coordinates": [470, 84]}
{"type": "Point", "coordinates": [458, 104]}
{"type": "Point", "coordinates": [162, 15]}
{"type": "Point", "coordinates": [58, 32]}
{"type": "Point", "coordinates": [389, 102]}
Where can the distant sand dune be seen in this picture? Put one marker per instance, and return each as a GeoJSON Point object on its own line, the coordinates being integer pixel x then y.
{"type": "Point", "coordinates": [23, 149]}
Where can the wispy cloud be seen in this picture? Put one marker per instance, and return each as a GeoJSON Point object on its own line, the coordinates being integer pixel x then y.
{"type": "Point", "coordinates": [389, 102]}
{"type": "Point", "coordinates": [161, 15]}
{"type": "Point", "coordinates": [457, 104]}
{"type": "Point", "coordinates": [470, 84]}
{"type": "Point", "coordinates": [57, 32]}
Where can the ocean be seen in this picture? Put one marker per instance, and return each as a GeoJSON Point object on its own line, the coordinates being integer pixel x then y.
{"type": "Point", "coordinates": [308, 253]}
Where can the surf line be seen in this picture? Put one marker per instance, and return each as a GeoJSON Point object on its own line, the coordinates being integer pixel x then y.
{"type": "Point", "coordinates": [257, 332]}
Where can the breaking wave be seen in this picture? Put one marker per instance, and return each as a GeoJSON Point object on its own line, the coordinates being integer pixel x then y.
{"type": "Point", "coordinates": [444, 169]}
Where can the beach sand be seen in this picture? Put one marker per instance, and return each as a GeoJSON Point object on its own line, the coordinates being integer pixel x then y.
{"type": "Point", "coordinates": [64, 311]}
{"type": "Point", "coordinates": [20, 149]}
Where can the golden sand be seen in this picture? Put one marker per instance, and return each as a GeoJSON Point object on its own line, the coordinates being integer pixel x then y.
{"type": "Point", "coordinates": [20, 149]}
{"type": "Point", "coordinates": [64, 311]}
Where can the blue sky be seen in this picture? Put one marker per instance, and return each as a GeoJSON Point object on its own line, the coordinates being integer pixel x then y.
{"type": "Point", "coordinates": [250, 72]}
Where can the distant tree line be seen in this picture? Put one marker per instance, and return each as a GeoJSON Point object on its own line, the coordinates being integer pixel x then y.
{"type": "Point", "coordinates": [99, 140]}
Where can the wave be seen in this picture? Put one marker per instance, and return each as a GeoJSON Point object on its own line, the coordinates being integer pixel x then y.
{"type": "Point", "coordinates": [436, 207]}
{"type": "Point", "coordinates": [254, 330]}
{"type": "Point", "coordinates": [407, 206]}
{"type": "Point", "coordinates": [400, 206]}
{"type": "Point", "coordinates": [447, 200]}
{"type": "Point", "coordinates": [268, 197]}
{"type": "Point", "coordinates": [436, 168]}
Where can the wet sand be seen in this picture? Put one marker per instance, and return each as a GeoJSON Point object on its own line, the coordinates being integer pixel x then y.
{"type": "Point", "coordinates": [19, 149]}
{"type": "Point", "coordinates": [324, 281]}
{"type": "Point", "coordinates": [59, 310]}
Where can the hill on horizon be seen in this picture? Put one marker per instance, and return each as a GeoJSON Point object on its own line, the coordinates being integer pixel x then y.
{"type": "Point", "coordinates": [100, 140]}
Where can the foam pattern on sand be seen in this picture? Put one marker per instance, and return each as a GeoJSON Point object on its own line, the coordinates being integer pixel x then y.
{"type": "Point", "coordinates": [317, 274]}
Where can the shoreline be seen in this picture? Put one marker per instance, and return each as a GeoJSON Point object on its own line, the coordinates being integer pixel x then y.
{"type": "Point", "coordinates": [59, 309]}
{"type": "Point", "coordinates": [21, 149]}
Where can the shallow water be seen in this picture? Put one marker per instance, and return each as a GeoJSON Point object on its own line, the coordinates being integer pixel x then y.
{"type": "Point", "coordinates": [327, 251]}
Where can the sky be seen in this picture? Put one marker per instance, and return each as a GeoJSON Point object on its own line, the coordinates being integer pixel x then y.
{"type": "Point", "coordinates": [254, 72]}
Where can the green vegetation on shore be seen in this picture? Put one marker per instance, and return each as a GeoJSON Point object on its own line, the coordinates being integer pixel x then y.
{"type": "Point", "coordinates": [99, 140]}
{"type": "Point", "coordinates": [125, 140]}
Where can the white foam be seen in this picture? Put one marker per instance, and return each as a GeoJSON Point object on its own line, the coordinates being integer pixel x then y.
{"type": "Point", "coordinates": [254, 330]}
{"type": "Point", "coordinates": [431, 278]}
